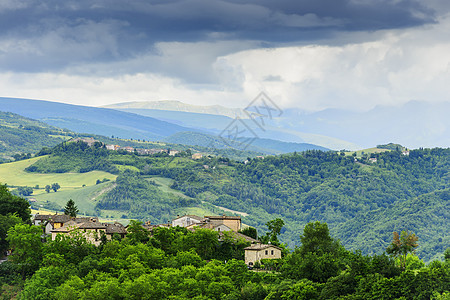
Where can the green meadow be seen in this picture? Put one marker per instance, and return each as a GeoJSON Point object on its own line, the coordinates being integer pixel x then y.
{"type": "Point", "coordinates": [14, 174]}
{"type": "Point", "coordinates": [359, 153]}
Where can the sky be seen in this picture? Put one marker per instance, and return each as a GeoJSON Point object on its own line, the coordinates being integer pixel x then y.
{"type": "Point", "coordinates": [307, 54]}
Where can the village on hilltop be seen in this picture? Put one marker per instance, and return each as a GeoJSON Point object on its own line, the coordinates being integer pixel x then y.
{"type": "Point", "coordinates": [140, 151]}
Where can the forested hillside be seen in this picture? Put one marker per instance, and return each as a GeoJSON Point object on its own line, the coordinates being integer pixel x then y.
{"type": "Point", "coordinates": [20, 135]}
{"type": "Point", "coordinates": [363, 202]}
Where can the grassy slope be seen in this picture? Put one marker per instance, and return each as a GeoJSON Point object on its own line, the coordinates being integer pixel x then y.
{"type": "Point", "coordinates": [369, 151]}
{"type": "Point", "coordinates": [85, 197]}
{"type": "Point", "coordinates": [204, 209]}
{"type": "Point", "coordinates": [14, 175]}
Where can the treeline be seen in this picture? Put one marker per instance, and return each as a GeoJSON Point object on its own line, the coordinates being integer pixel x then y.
{"type": "Point", "coordinates": [73, 157]}
{"type": "Point", "coordinates": [175, 263]}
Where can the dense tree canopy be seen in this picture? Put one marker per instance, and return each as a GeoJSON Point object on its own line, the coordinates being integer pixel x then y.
{"type": "Point", "coordinates": [171, 264]}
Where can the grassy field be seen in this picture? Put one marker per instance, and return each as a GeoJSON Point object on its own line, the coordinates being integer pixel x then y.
{"type": "Point", "coordinates": [359, 153]}
{"type": "Point", "coordinates": [13, 174]}
{"type": "Point", "coordinates": [164, 185]}
{"type": "Point", "coordinates": [85, 198]}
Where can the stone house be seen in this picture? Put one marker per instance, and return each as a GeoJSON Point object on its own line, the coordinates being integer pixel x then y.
{"type": "Point", "coordinates": [257, 252]}
{"type": "Point", "coordinates": [92, 230]}
{"type": "Point", "coordinates": [115, 228]}
{"type": "Point", "coordinates": [232, 222]}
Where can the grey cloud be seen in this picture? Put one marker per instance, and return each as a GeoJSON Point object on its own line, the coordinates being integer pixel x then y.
{"type": "Point", "coordinates": [38, 35]}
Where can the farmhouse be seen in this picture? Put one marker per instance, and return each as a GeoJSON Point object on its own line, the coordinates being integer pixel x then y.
{"type": "Point", "coordinates": [257, 252]}
{"type": "Point", "coordinates": [91, 229]}
{"type": "Point", "coordinates": [232, 222]}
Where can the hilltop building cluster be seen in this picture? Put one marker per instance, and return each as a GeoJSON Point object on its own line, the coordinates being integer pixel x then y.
{"type": "Point", "coordinates": [140, 151]}
{"type": "Point", "coordinates": [93, 230]}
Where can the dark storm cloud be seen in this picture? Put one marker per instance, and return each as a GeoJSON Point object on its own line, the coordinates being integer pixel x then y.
{"type": "Point", "coordinates": [45, 35]}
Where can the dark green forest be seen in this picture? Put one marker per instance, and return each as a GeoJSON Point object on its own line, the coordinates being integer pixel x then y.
{"type": "Point", "coordinates": [362, 202]}
{"type": "Point", "coordinates": [176, 263]}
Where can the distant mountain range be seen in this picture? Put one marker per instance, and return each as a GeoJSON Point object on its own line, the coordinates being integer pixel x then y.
{"type": "Point", "coordinates": [87, 119]}
{"type": "Point", "coordinates": [173, 105]}
{"type": "Point", "coordinates": [114, 123]}
{"type": "Point", "coordinates": [415, 124]}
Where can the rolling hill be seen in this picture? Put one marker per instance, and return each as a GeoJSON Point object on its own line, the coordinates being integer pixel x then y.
{"type": "Point", "coordinates": [23, 135]}
{"type": "Point", "coordinates": [178, 106]}
{"type": "Point", "coordinates": [266, 146]}
{"type": "Point", "coordinates": [93, 120]}
{"type": "Point", "coordinates": [362, 202]}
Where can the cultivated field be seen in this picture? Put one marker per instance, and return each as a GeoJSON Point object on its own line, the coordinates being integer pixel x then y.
{"type": "Point", "coordinates": [14, 174]}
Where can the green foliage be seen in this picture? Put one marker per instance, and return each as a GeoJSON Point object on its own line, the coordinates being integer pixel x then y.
{"type": "Point", "coordinates": [250, 232]}
{"type": "Point", "coordinates": [6, 222]}
{"type": "Point", "coordinates": [169, 266]}
{"type": "Point", "coordinates": [20, 136]}
{"type": "Point", "coordinates": [318, 258]}
{"type": "Point", "coordinates": [402, 245]}
{"type": "Point", "coordinates": [25, 190]}
{"type": "Point", "coordinates": [142, 198]}
{"type": "Point", "coordinates": [391, 146]}
{"type": "Point", "coordinates": [363, 203]}
{"type": "Point", "coordinates": [274, 227]}
{"type": "Point", "coordinates": [137, 233]}
{"type": "Point", "coordinates": [71, 209]}
{"type": "Point", "coordinates": [10, 204]}
{"type": "Point", "coordinates": [74, 157]}
{"type": "Point", "coordinates": [55, 187]}
{"type": "Point", "coordinates": [25, 241]}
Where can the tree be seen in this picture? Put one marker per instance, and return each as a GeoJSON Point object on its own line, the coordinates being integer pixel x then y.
{"type": "Point", "coordinates": [274, 227]}
{"type": "Point", "coordinates": [137, 233]}
{"type": "Point", "coordinates": [205, 242]}
{"type": "Point", "coordinates": [447, 254]}
{"type": "Point", "coordinates": [55, 187]}
{"type": "Point", "coordinates": [316, 239]}
{"type": "Point", "coordinates": [47, 188]}
{"type": "Point", "coordinates": [71, 209]}
{"type": "Point", "coordinates": [401, 245]}
{"type": "Point", "coordinates": [250, 232]}
{"type": "Point", "coordinates": [11, 204]}
{"type": "Point", "coordinates": [6, 222]}
{"type": "Point", "coordinates": [25, 190]}
{"type": "Point", "coordinates": [25, 241]}
{"type": "Point", "coordinates": [319, 258]}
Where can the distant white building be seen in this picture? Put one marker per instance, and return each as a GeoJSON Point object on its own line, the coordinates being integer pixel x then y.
{"type": "Point", "coordinates": [186, 220]}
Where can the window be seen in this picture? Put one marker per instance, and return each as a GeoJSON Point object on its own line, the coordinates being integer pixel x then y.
{"type": "Point", "coordinates": [271, 252]}
{"type": "Point", "coordinates": [267, 252]}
